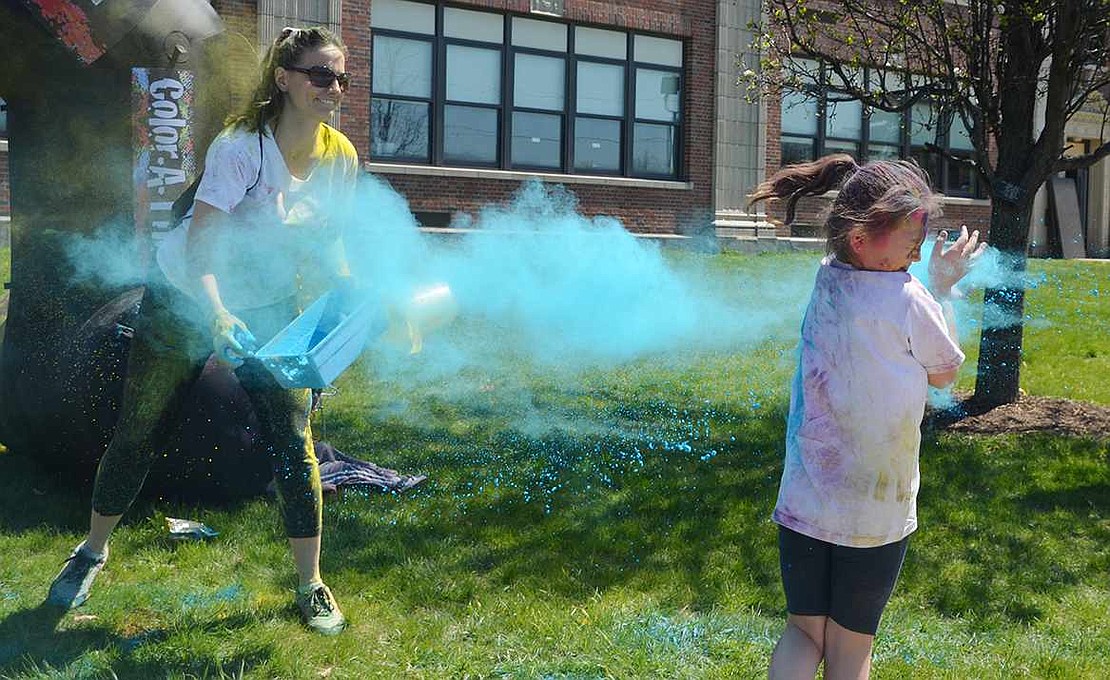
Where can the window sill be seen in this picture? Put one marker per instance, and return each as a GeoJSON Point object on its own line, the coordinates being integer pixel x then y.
{"type": "Point", "coordinates": [963, 200]}
{"type": "Point", "coordinates": [516, 175]}
{"type": "Point", "coordinates": [944, 199]}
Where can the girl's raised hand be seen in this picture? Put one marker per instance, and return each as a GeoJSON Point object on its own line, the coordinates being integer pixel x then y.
{"type": "Point", "coordinates": [950, 263]}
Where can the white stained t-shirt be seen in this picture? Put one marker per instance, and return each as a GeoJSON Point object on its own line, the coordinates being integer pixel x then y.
{"type": "Point", "coordinates": [283, 228]}
{"type": "Point", "coordinates": [869, 341]}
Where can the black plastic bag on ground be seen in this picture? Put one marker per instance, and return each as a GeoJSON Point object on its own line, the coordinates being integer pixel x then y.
{"type": "Point", "coordinates": [209, 453]}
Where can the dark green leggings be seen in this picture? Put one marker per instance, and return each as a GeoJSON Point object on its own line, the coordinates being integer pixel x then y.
{"type": "Point", "coordinates": [168, 353]}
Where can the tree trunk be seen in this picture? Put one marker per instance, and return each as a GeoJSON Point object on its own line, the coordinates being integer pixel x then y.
{"type": "Point", "coordinates": [1000, 345]}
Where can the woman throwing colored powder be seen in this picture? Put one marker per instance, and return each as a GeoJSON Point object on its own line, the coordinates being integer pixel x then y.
{"type": "Point", "coordinates": [873, 339]}
{"type": "Point", "coordinates": [277, 182]}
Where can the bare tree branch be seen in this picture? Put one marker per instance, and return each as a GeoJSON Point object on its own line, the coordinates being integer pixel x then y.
{"type": "Point", "coordinates": [979, 60]}
{"type": "Point", "coordinates": [1083, 161]}
{"type": "Point", "coordinates": [1063, 25]}
{"type": "Point", "coordinates": [962, 160]}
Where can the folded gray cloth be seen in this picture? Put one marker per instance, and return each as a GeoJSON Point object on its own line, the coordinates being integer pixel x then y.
{"type": "Point", "coordinates": [338, 469]}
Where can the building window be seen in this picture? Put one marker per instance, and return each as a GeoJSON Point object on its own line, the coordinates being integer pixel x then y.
{"type": "Point", "coordinates": [961, 179]}
{"type": "Point", "coordinates": [658, 99]}
{"type": "Point", "coordinates": [401, 71]}
{"type": "Point", "coordinates": [843, 123]}
{"type": "Point", "coordinates": [471, 88]}
{"type": "Point", "coordinates": [922, 123]}
{"type": "Point", "coordinates": [601, 70]}
{"type": "Point", "coordinates": [3, 119]}
{"type": "Point", "coordinates": [801, 119]}
{"type": "Point", "coordinates": [473, 107]}
{"type": "Point", "coordinates": [884, 128]}
{"type": "Point", "coordinates": [472, 110]}
{"type": "Point", "coordinates": [818, 120]}
{"type": "Point", "coordinates": [539, 94]}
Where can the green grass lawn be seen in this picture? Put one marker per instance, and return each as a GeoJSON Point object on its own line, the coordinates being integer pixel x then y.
{"type": "Point", "coordinates": [605, 524]}
{"type": "Point", "coordinates": [1066, 346]}
{"type": "Point", "coordinates": [5, 264]}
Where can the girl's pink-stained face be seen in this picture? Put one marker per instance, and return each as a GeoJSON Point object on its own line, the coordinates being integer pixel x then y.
{"type": "Point", "coordinates": [894, 250]}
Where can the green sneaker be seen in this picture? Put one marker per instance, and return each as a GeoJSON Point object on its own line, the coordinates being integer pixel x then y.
{"type": "Point", "coordinates": [320, 611]}
{"type": "Point", "coordinates": [71, 586]}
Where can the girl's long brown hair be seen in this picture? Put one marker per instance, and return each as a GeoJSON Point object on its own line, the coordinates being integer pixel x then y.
{"type": "Point", "coordinates": [873, 197]}
{"type": "Point", "coordinates": [267, 101]}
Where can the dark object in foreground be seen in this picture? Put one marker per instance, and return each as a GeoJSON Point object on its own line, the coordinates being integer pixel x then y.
{"type": "Point", "coordinates": [208, 454]}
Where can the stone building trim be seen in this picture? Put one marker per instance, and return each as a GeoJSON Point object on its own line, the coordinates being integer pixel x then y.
{"type": "Point", "coordinates": [518, 176]}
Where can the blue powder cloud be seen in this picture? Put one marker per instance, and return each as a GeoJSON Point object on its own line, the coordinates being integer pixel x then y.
{"type": "Point", "coordinates": [565, 288]}
{"type": "Point", "coordinates": [538, 285]}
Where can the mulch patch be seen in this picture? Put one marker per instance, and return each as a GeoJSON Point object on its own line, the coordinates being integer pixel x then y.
{"type": "Point", "coordinates": [1028, 414]}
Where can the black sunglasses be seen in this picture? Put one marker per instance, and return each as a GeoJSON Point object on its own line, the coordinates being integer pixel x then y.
{"type": "Point", "coordinates": [323, 76]}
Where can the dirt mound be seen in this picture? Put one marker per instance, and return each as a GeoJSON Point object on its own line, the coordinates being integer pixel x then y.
{"type": "Point", "coordinates": [1029, 414]}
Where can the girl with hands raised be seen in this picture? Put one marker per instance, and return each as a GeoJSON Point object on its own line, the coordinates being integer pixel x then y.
{"type": "Point", "coordinates": [873, 339]}
{"type": "Point", "coordinates": [949, 263]}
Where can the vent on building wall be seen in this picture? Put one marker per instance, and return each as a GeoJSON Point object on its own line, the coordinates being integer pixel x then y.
{"type": "Point", "coordinates": [434, 219]}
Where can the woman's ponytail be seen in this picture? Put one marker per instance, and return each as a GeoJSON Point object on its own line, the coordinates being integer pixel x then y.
{"type": "Point", "coordinates": [804, 179]}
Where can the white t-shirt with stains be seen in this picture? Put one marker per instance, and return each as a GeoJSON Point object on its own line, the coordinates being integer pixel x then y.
{"type": "Point", "coordinates": [284, 230]}
{"type": "Point", "coordinates": [869, 341]}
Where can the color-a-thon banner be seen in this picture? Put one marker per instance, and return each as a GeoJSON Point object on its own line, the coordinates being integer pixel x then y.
{"type": "Point", "coordinates": [165, 161]}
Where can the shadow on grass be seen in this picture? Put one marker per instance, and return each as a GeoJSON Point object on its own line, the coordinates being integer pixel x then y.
{"type": "Point", "coordinates": [32, 496]}
{"type": "Point", "coordinates": [27, 634]}
{"type": "Point", "coordinates": [1009, 524]}
{"type": "Point", "coordinates": [1082, 499]}
{"type": "Point", "coordinates": [41, 641]}
{"type": "Point", "coordinates": [666, 510]}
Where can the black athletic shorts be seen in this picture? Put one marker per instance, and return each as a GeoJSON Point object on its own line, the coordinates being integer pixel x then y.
{"type": "Point", "coordinates": [849, 585]}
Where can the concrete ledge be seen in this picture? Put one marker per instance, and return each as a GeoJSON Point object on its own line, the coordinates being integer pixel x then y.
{"type": "Point", "coordinates": [517, 176]}
{"type": "Point", "coordinates": [462, 231]}
{"type": "Point", "coordinates": [959, 200]}
{"type": "Point", "coordinates": [752, 245]}
{"type": "Point", "coordinates": [739, 224]}
{"type": "Point", "coordinates": [767, 244]}
{"type": "Point", "coordinates": [945, 199]}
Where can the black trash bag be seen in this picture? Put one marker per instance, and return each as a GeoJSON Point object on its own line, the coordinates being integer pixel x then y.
{"type": "Point", "coordinates": [210, 452]}
{"type": "Point", "coordinates": [95, 360]}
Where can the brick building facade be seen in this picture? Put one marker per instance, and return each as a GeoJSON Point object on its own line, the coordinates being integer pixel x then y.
{"type": "Point", "coordinates": [5, 181]}
{"type": "Point", "coordinates": [632, 105]}
{"type": "Point", "coordinates": [438, 186]}
{"type": "Point", "coordinates": [972, 209]}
